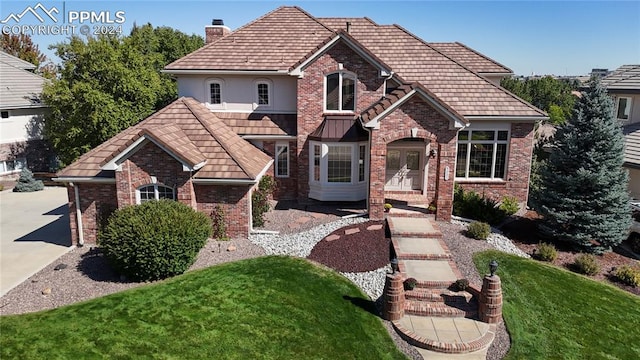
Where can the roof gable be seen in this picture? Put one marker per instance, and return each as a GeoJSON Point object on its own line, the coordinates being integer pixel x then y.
{"type": "Point", "coordinates": [188, 131]}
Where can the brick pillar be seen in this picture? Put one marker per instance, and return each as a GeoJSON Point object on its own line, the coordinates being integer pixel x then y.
{"type": "Point", "coordinates": [393, 297]}
{"type": "Point", "coordinates": [491, 300]}
{"type": "Point", "coordinates": [444, 183]}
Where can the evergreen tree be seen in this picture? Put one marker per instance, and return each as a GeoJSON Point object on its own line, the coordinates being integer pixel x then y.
{"type": "Point", "coordinates": [27, 183]}
{"type": "Point", "coordinates": [584, 187]}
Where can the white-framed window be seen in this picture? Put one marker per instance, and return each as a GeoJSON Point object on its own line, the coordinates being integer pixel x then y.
{"type": "Point", "coordinates": [482, 154]}
{"type": "Point", "coordinates": [264, 93]}
{"type": "Point", "coordinates": [340, 92]}
{"type": "Point", "coordinates": [623, 108]}
{"type": "Point", "coordinates": [14, 165]}
{"type": "Point", "coordinates": [338, 163]}
{"type": "Point", "coordinates": [153, 192]}
{"type": "Point", "coordinates": [215, 93]}
{"type": "Point", "coordinates": [282, 160]}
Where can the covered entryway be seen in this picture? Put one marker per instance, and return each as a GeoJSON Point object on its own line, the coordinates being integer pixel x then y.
{"type": "Point", "coordinates": [405, 166]}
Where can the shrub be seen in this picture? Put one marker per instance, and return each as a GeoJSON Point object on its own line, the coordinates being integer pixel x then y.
{"type": "Point", "coordinates": [461, 284]}
{"type": "Point", "coordinates": [260, 200]}
{"type": "Point", "coordinates": [219, 224]}
{"type": "Point", "coordinates": [410, 283]}
{"type": "Point", "coordinates": [509, 205]}
{"type": "Point", "coordinates": [479, 230]}
{"type": "Point", "coordinates": [471, 205]}
{"type": "Point", "coordinates": [634, 241]}
{"type": "Point", "coordinates": [628, 275]}
{"type": "Point", "coordinates": [387, 206]}
{"type": "Point", "coordinates": [155, 240]}
{"type": "Point", "coordinates": [545, 252]}
{"type": "Point", "coordinates": [586, 264]}
{"type": "Point", "coordinates": [26, 182]}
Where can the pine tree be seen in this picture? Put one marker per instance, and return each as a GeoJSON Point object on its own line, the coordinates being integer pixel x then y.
{"type": "Point", "coordinates": [584, 187]}
{"type": "Point", "coordinates": [27, 183]}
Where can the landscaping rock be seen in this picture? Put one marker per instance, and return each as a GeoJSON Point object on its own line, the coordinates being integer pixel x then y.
{"type": "Point", "coordinates": [60, 267]}
{"type": "Point", "coordinates": [351, 231]}
{"type": "Point", "coordinates": [374, 227]}
{"type": "Point", "coordinates": [332, 237]}
{"type": "Point", "coordinates": [46, 291]}
{"type": "Point", "coordinates": [232, 248]}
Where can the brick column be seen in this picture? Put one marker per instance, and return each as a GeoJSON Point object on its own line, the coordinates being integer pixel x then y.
{"type": "Point", "coordinates": [491, 300]}
{"type": "Point", "coordinates": [393, 297]}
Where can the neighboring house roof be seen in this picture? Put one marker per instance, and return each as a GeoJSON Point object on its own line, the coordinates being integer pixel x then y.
{"type": "Point", "coordinates": [188, 131]}
{"type": "Point", "coordinates": [287, 36]}
{"type": "Point", "coordinates": [632, 144]}
{"type": "Point", "coordinates": [20, 88]}
{"type": "Point", "coordinates": [16, 62]}
{"type": "Point", "coordinates": [624, 79]}
{"type": "Point", "coordinates": [471, 58]}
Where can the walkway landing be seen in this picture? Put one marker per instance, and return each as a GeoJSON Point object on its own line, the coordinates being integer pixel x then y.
{"type": "Point", "coordinates": [440, 322]}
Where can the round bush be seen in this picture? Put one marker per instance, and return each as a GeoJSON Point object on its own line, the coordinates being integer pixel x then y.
{"type": "Point", "coordinates": [628, 275]}
{"type": "Point", "coordinates": [155, 240]}
{"type": "Point", "coordinates": [545, 252]}
{"type": "Point", "coordinates": [479, 230]}
{"type": "Point", "coordinates": [586, 264]}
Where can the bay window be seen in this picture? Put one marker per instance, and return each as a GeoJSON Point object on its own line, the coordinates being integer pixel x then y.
{"type": "Point", "coordinates": [482, 154]}
{"type": "Point", "coordinates": [338, 171]}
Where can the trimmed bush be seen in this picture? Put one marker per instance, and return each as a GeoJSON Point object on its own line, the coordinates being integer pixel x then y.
{"type": "Point", "coordinates": [586, 264]}
{"type": "Point", "coordinates": [410, 283]}
{"type": "Point", "coordinates": [260, 200]}
{"type": "Point", "coordinates": [461, 284]}
{"type": "Point", "coordinates": [545, 252]}
{"type": "Point", "coordinates": [219, 224]}
{"type": "Point", "coordinates": [479, 230]}
{"type": "Point", "coordinates": [628, 275]}
{"type": "Point", "coordinates": [471, 205]}
{"type": "Point", "coordinates": [154, 240]}
{"type": "Point", "coordinates": [27, 183]}
{"type": "Point", "coordinates": [509, 205]}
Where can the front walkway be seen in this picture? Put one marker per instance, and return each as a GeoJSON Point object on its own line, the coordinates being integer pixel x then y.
{"type": "Point", "coordinates": [439, 322]}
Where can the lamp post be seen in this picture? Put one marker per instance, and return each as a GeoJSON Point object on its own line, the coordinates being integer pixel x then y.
{"type": "Point", "coordinates": [394, 265]}
{"type": "Point", "coordinates": [493, 266]}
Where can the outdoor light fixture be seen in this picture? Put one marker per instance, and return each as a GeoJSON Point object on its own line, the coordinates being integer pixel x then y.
{"type": "Point", "coordinates": [394, 265]}
{"type": "Point", "coordinates": [493, 266]}
{"type": "Point", "coordinates": [433, 153]}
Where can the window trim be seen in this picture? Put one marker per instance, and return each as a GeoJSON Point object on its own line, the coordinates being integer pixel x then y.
{"type": "Point", "coordinates": [220, 82]}
{"type": "Point", "coordinates": [495, 143]}
{"type": "Point", "coordinates": [277, 167]}
{"type": "Point", "coordinates": [256, 86]}
{"type": "Point", "coordinates": [155, 192]}
{"type": "Point", "coordinates": [341, 74]}
{"type": "Point", "coordinates": [628, 108]}
{"type": "Point", "coordinates": [324, 163]}
{"type": "Point", "coordinates": [18, 164]}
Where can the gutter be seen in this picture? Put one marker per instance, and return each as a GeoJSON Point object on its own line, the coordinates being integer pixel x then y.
{"type": "Point", "coordinates": [87, 179]}
{"type": "Point", "coordinates": [78, 215]}
{"type": "Point", "coordinates": [507, 118]}
{"type": "Point", "coordinates": [224, 72]}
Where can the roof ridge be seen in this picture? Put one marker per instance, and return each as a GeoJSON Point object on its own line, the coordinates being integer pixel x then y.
{"type": "Point", "coordinates": [313, 17]}
{"type": "Point", "coordinates": [482, 55]}
{"type": "Point", "coordinates": [471, 71]}
{"type": "Point", "coordinates": [215, 136]}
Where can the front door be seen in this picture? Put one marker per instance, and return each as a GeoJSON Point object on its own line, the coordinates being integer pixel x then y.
{"type": "Point", "coordinates": [403, 169]}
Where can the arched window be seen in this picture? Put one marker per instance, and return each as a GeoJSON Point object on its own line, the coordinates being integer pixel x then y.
{"type": "Point", "coordinates": [154, 192]}
{"type": "Point", "coordinates": [214, 91]}
{"type": "Point", "coordinates": [340, 92]}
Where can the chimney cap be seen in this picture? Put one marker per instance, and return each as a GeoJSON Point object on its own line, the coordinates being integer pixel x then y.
{"type": "Point", "coordinates": [217, 22]}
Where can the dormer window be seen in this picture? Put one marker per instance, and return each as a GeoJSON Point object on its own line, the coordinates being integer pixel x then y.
{"type": "Point", "coordinates": [263, 94]}
{"type": "Point", "coordinates": [215, 92]}
{"type": "Point", "coordinates": [340, 92]}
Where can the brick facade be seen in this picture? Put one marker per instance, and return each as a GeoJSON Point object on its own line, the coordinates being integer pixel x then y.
{"type": "Point", "coordinates": [235, 201]}
{"type": "Point", "coordinates": [286, 187]}
{"type": "Point", "coordinates": [97, 202]}
{"type": "Point", "coordinates": [516, 182]}
{"type": "Point", "coordinates": [369, 89]}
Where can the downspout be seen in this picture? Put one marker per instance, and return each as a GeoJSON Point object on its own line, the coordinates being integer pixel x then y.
{"type": "Point", "coordinates": [368, 130]}
{"type": "Point", "coordinates": [78, 215]}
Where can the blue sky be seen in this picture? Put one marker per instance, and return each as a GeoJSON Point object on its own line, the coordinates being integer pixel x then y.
{"type": "Point", "coordinates": [541, 37]}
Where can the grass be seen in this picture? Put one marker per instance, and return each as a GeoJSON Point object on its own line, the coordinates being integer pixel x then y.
{"type": "Point", "coordinates": [264, 308]}
{"type": "Point", "coordinates": [552, 313]}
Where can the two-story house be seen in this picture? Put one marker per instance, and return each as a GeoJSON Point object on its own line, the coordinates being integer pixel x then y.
{"type": "Point", "coordinates": [336, 109]}
{"type": "Point", "coordinates": [21, 118]}
{"type": "Point", "coordinates": [624, 87]}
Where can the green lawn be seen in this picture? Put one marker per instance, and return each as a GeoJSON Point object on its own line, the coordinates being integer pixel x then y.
{"type": "Point", "coordinates": [552, 313]}
{"type": "Point", "coordinates": [264, 308]}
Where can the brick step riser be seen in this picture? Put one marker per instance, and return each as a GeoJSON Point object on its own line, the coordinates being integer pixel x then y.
{"type": "Point", "coordinates": [437, 298]}
{"type": "Point", "coordinates": [433, 285]}
{"type": "Point", "coordinates": [442, 312]}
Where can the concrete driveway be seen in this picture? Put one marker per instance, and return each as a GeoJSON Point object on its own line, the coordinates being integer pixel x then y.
{"type": "Point", "coordinates": [34, 231]}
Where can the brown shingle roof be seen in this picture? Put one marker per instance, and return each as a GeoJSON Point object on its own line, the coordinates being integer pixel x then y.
{"type": "Point", "coordinates": [190, 130]}
{"type": "Point", "coordinates": [470, 58]}
{"type": "Point", "coordinates": [624, 78]}
{"type": "Point", "coordinates": [275, 41]}
{"type": "Point", "coordinates": [632, 144]}
{"type": "Point", "coordinates": [260, 124]}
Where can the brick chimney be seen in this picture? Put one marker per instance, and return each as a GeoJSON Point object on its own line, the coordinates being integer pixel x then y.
{"type": "Point", "coordinates": [215, 31]}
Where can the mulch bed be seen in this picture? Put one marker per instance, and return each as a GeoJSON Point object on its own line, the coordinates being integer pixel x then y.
{"type": "Point", "coordinates": [524, 233]}
{"type": "Point", "coordinates": [365, 250]}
